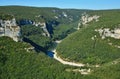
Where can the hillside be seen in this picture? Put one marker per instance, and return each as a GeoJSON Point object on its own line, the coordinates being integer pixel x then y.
{"type": "Point", "coordinates": [16, 62]}
{"type": "Point", "coordinates": [42, 23]}
{"type": "Point", "coordinates": [88, 45]}
{"type": "Point", "coordinates": [52, 16]}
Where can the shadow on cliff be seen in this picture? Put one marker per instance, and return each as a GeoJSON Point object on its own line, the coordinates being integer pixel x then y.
{"type": "Point", "coordinates": [37, 47]}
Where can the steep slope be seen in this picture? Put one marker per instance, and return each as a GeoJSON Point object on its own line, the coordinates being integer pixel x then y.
{"type": "Point", "coordinates": [48, 24]}
{"type": "Point", "coordinates": [108, 72]}
{"type": "Point", "coordinates": [88, 46]}
{"type": "Point", "coordinates": [16, 63]}
{"type": "Point", "coordinates": [9, 27]}
{"type": "Point", "coordinates": [59, 21]}
{"type": "Point", "coordinates": [91, 44]}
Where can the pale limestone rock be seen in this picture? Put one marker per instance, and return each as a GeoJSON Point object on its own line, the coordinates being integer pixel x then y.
{"type": "Point", "coordinates": [79, 24]}
{"type": "Point", "coordinates": [117, 31]}
{"type": "Point", "coordinates": [93, 38]}
{"type": "Point", "coordinates": [43, 26]}
{"type": "Point", "coordinates": [1, 31]}
{"type": "Point", "coordinates": [64, 14]}
{"type": "Point", "coordinates": [29, 49]}
{"type": "Point", "coordinates": [9, 28]}
{"type": "Point", "coordinates": [56, 17]}
{"type": "Point", "coordinates": [106, 32]}
{"type": "Point", "coordinates": [85, 19]}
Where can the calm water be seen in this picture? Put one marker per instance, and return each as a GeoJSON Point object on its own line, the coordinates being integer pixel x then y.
{"type": "Point", "coordinates": [50, 54]}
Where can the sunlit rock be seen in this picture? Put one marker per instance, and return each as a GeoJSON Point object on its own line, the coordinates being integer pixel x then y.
{"type": "Point", "coordinates": [10, 28]}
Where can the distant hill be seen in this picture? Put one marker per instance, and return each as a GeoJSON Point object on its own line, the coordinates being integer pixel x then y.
{"type": "Point", "coordinates": [48, 13]}
{"type": "Point", "coordinates": [60, 22]}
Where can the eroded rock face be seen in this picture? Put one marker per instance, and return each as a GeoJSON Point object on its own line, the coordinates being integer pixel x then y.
{"type": "Point", "coordinates": [85, 19]}
{"type": "Point", "coordinates": [43, 26]}
{"type": "Point", "coordinates": [106, 32]}
{"type": "Point", "coordinates": [9, 28]}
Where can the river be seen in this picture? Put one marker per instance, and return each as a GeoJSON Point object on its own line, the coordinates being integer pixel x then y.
{"type": "Point", "coordinates": [54, 55]}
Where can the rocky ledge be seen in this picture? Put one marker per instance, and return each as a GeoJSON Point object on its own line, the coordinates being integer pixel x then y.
{"type": "Point", "coordinates": [10, 28]}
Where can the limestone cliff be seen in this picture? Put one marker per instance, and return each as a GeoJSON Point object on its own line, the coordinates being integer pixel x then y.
{"type": "Point", "coordinates": [106, 32]}
{"type": "Point", "coordinates": [85, 19]}
{"type": "Point", "coordinates": [10, 28]}
{"type": "Point", "coordinates": [43, 26]}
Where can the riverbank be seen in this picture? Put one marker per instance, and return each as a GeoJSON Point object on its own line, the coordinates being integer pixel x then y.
{"type": "Point", "coordinates": [75, 64]}
{"type": "Point", "coordinates": [66, 62]}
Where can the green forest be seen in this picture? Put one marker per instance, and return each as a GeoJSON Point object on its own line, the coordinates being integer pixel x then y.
{"type": "Point", "coordinates": [17, 63]}
{"type": "Point", "coordinates": [79, 46]}
{"type": "Point", "coordinates": [18, 60]}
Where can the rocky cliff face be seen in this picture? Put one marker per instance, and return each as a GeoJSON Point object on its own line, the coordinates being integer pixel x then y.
{"type": "Point", "coordinates": [106, 32]}
{"type": "Point", "coordinates": [43, 26]}
{"type": "Point", "coordinates": [85, 19]}
{"type": "Point", "coordinates": [9, 28]}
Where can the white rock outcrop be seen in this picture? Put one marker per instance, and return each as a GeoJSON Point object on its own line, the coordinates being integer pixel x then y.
{"type": "Point", "coordinates": [106, 32]}
{"type": "Point", "coordinates": [43, 26]}
{"type": "Point", "coordinates": [85, 18]}
{"type": "Point", "coordinates": [9, 28]}
{"type": "Point", "coordinates": [64, 14]}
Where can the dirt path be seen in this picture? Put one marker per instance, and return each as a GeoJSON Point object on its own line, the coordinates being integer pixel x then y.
{"type": "Point", "coordinates": [66, 62]}
{"type": "Point", "coordinates": [82, 71]}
